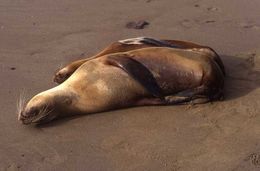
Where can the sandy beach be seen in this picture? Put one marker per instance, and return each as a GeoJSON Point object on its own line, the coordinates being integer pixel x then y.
{"type": "Point", "coordinates": [37, 37]}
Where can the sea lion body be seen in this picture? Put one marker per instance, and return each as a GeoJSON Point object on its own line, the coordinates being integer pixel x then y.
{"type": "Point", "coordinates": [146, 76]}
{"type": "Point", "coordinates": [134, 44]}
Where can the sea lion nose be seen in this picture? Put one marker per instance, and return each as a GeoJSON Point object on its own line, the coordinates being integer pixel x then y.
{"type": "Point", "coordinates": [22, 116]}
{"type": "Point", "coordinates": [26, 115]}
{"type": "Point", "coordinates": [29, 113]}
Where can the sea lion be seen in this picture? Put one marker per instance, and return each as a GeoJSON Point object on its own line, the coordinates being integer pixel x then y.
{"type": "Point", "coordinates": [145, 76]}
{"type": "Point", "coordinates": [137, 43]}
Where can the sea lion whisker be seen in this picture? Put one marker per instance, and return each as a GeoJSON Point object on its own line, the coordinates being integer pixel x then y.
{"type": "Point", "coordinates": [43, 110]}
{"type": "Point", "coordinates": [47, 113]}
{"type": "Point", "coordinates": [43, 116]}
{"type": "Point", "coordinates": [21, 102]}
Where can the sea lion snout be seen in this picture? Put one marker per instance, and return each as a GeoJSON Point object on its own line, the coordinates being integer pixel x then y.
{"type": "Point", "coordinates": [47, 106]}
{"type": "Point", "coordinates": [35, 114]}
{"type": "Point", "coordinates": [24, 115]}
{"type": "Point", "coordinates": [37, 110]}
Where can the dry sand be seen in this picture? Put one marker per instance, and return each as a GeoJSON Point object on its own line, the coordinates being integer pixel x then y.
{"type": "Point", "coordinates": [36, 37]}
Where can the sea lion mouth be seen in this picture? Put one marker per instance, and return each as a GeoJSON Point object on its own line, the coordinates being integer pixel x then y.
{"type": "Point", "coordinates": [38, 119]}
{"type": "Point", "coordinates": [41, 116]}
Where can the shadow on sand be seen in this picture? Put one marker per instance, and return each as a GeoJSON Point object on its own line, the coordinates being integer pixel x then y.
{"type": "Point", "coordinates": [242, 77]}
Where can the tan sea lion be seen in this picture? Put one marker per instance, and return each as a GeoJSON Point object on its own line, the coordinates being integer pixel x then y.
{"type": "Point", "coordinates": [137, 43]}
{"type": "Point", "coordinates": [145, 76]}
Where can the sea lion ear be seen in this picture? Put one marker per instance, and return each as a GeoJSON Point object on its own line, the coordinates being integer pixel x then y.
{"type": "Point", "coordinates": [137, 71]}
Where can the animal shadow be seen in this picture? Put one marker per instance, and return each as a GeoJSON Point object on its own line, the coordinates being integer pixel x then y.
{"type": "Point", "coordinates": [242, 77]}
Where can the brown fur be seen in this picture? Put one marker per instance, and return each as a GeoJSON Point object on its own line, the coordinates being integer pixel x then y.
{"type": "Point", "coordinates": [116, 47]}
{"type": "Point", "coordinates": [183, 75]}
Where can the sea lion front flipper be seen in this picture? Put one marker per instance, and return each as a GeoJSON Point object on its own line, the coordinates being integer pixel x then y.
{"type": "Point", "coordinates": [137, 71]}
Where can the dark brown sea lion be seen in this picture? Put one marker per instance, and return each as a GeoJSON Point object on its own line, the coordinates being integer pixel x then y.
{"type": "Point", "coordinates": [146, 76]}
{"type": "Point", "coordinates": [137, 43]}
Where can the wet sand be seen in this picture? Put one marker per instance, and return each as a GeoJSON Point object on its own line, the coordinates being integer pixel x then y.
{"type": "Point", "coordinates": [36, 37]}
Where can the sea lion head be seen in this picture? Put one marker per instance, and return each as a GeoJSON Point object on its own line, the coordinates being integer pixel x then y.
{"type": "Point", "coordinates": [74, 96]}
{"type": "Point", "coordinates": [46, 106]}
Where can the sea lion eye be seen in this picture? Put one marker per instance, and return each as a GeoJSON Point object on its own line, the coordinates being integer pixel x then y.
{"type": "Point", "coordinates": [67, 101]}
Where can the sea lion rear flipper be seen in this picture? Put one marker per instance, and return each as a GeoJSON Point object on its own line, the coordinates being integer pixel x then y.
{"type": "Point", "coordinates": [137, 71]}
{"type": "Point", "coordinates": [197, 99]}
